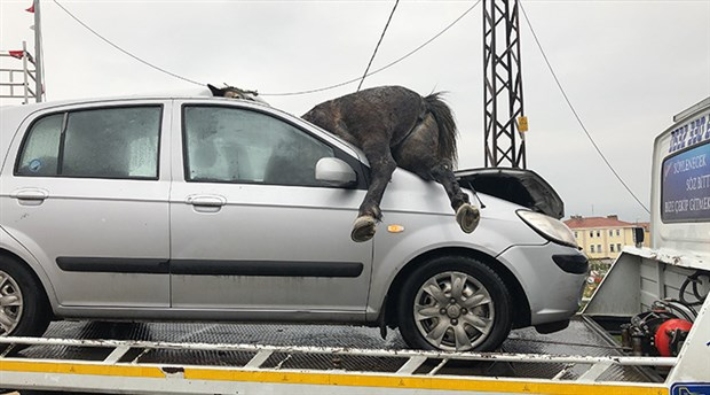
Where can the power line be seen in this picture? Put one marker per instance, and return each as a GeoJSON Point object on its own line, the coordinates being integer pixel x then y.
{"type": "Point", "coordinates": [303, 92]}
{"type": "Point", "coordinates": [378, 45]}
{"type": "Point", "coordinates": [579, 120]}
{"type": "Point", "coordinates": [107, 41]}
{"type": "Point", "coordinates": [387, 66]}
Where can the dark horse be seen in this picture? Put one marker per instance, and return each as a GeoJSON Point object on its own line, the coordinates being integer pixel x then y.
{"type": "Point", "coordinates": [395, 126]}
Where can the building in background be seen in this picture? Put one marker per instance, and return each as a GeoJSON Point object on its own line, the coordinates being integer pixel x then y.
{"type": "Point", "coordinates": [604, 237]}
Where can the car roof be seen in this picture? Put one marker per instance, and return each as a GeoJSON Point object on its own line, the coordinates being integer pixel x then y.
{"type": "Point", "coordinates": [12, 114]}
{"type": "Point", "coordinates": [57, 103]}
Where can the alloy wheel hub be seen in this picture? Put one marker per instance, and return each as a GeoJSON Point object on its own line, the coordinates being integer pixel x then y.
{"type": "Point", "coordinates": [10, 304]}
{"type": "Point", "coordinates": [453, 311]}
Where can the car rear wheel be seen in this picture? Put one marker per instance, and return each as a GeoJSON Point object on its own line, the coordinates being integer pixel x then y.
{"type": "Point", "coordinates": [454, 303]}
{"type": "Point", "coordinates": [24, 310]}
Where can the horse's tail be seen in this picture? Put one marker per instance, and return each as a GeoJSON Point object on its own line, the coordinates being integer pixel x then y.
{"type": "Point", "coordinates": [447, 126]}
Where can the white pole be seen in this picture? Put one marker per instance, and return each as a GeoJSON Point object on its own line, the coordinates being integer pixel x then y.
{"type": "Point", "coordinates": [25, 81]}
{"type": "Point", "coordinates": [38, 53]}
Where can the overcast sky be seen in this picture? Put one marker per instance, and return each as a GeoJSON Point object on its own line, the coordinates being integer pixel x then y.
{"type": "Point", "coordinates": [627, 67]}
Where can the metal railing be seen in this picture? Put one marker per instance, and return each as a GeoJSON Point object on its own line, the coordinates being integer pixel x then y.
{"type": "Point", "coordinates": [16, 83]}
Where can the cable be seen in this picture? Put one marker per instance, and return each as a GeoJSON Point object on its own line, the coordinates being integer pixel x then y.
{"type": "Point", "coordinates": [694, 279]}
{"type": "Point", "coordinates": [387, 66]}
{"type": "Point", "coordinates": [378, 45]}
{"type": "Point", "coordinates": [107, 41]}
{"type": "Point", "coordinates": [579, 120]}
{"type": "Point", "coordinates": [322, 89]}
{"type": "Point", "coordinates": [672, 306]}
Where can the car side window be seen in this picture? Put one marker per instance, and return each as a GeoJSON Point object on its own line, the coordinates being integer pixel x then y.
{"type": "Point", "coordinates": [97, 143]}
{"type": "Point", "coordinates": [40, 152]}
{"type": "Point", "coordinates": [237, 145]}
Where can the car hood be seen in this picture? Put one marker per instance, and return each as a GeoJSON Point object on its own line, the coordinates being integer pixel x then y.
{"type": "Point", "coordinates": [523, 187]}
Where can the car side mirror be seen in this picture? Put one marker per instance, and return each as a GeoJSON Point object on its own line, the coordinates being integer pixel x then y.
{"type": "Point", "coordinates": [335, 172]}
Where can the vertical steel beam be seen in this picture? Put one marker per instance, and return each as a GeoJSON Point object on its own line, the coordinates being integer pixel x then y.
{"type": "Point", "coordinates": [503, 86]}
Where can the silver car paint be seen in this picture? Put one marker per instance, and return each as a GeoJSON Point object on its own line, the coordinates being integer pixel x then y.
{"type": "Point", "coordinates": [14, 247]}
{"type": "Point", "coordinates": [114, 218]}
{"type": "Point", "coordinates": [421, 208]}
{"type": "Point", "coordinates": [425, 213]}
{"type": "Point", "coordinates": [265, 223]}
{"type": "Point", "coordinates": [552, 292]}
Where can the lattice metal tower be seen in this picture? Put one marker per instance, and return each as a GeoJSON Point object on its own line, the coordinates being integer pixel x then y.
{"type": "Point", "coordinates": [503, 89]}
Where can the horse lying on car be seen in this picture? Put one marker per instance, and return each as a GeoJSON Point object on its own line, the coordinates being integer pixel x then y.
{"type": "Point", "coordinates": [393, 126]}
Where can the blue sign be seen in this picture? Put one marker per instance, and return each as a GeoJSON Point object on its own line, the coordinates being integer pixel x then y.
{"type": "Point", "coordinates": [690, 389]}
{"type": "Point", "coordinates": [685, 187]}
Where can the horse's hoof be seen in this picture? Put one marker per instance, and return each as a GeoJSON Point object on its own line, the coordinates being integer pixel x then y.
{"type": "Point", "coordinates": [468, 217]}
{"type": "Point", "coordinates": [363, 229]}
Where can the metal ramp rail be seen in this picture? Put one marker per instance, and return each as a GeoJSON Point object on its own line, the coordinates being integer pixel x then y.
{"type": "Point", "coordinates": [266, 369]}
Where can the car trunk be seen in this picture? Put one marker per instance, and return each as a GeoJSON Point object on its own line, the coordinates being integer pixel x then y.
{"type": "Point", "coordinates": [523, 187]}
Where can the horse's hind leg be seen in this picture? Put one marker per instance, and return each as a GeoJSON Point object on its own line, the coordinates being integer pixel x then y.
{"type": "Point", "coordinates": [467, 215]}
{"type": "Point", "coordinates": [382, 166]}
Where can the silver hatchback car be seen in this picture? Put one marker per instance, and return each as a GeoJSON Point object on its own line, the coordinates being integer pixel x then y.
{"type": "Point", "coordinates": [196, 208]}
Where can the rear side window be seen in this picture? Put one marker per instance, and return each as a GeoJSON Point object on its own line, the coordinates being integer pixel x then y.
{"type": "Point", "coordinates": [41, 149]}
{"type": "Point", "coordinates": [102, 143]}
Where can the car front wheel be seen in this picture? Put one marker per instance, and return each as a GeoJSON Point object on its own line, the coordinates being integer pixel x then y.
{"type": "Point", "coordinates": [454, 303]}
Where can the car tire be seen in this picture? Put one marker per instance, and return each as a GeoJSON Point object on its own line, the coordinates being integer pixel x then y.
{"type": "Point", "coordinates": [24, 310]}
{"type": "Point", "coordinates": [454, 303]}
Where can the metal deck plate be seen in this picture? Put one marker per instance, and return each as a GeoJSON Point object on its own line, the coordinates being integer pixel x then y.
{"type": "Point", "coordinates": [580, 338]}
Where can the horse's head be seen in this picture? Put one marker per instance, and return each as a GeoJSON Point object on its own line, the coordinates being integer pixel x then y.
{"type": "Point", "coordinates": [235, 93]}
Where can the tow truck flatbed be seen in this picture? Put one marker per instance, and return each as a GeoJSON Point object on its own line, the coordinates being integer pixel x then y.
{"type": "Point", "coordinates": [583, 337]}
{"type": "Point", "coordinates": [233, 358]}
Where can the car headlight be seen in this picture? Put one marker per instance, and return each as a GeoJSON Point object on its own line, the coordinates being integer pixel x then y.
{"type": "Point", "coordinates": [548, 227]}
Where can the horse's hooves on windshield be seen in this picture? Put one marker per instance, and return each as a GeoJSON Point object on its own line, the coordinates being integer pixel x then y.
{"type": "Point", "coordinates": [363, 229]}
{"type": "Point", "coordinates": [468, 217]}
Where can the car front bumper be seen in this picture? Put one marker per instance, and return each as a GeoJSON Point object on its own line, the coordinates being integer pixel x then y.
{"type": "Point", "coordinates": [552, 276]}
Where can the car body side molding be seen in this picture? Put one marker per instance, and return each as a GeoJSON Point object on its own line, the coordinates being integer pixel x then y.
{"type": "Point", "coordinates": [199, 267]}
{"type": "Point", "coordinates": [113, 265]}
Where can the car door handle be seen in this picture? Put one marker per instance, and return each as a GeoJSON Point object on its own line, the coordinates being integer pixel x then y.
{"type": "Point", "coordinates": [211, 202]}
{"type": "Point", "coordinates": [36, 196]}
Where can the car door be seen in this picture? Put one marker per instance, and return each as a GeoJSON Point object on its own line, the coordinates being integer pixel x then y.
{"type": "Point", "coordinates": [87, 193]}
{"type": "Point", "coordinates": [252, 230]}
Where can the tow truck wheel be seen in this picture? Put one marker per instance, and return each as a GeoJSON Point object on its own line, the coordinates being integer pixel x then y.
{"type": "Point", "coordinates": [23, 306]}
{"type": "Point", "coordinates": [454, 303]}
